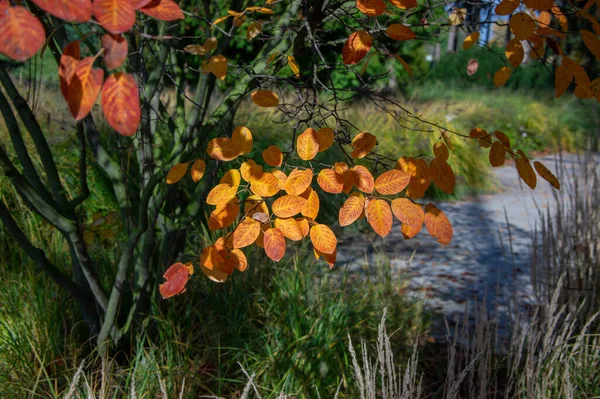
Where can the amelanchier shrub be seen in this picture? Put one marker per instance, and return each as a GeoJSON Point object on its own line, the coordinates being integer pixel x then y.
{"type": "Point", "coordinates": [168, 164]}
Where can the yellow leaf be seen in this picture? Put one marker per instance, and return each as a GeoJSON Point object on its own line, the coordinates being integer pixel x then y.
{"type": "Point", "coordinates": [307, 144]}
{"type": "Point", "coordinates": [245, 233]}
{"type": "Point", "coordinates": [265, 186]}
{"type": "Point", "coordinates": [176, 173]}
{"type": "Point", "coordinates": [222, 148]}
{"type": "Point", "coordinates": [293, 65]}
{"type": "Point", "coordinates": [313, 204]}
{"type": "Point", "coordinates": [232, 177]}
{"type": "Point", "coordinates": [221, 193]}
{"type": "Point", "coordinates": [265, 98]}
{"type": "Point", "coordinates": [251, 171]}
{"type": "Point", "coordinates": [197, 170]}
{"type": "Point", "coordinates": [241, 139]}
{"type": "Point", "coordinates": [255, 204]}
{"type": "Point", "coordinates": [392, 182]}
{"type": "Point", "coordinates": [470, 40]}
{"type": "Point", "coordinates": [221, 19]}
{"type": "Point", "coordinates": [291, 228]}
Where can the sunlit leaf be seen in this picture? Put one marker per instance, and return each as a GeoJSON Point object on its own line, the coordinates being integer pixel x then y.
{"type": "Point", "coordinates": [379, 216]}
{"type": "Point", "coordinates": [362, 144]}
{"type": "Point", "coordinates": [352, 209]}
{"type": "Point", "coordinates": [232, 177]}
{"type": "Point", "coordinates": [265, 98]}
{"type": "Point", "coordinates": [298, 181]}
{"type": "Point", "coordinates": [198, 169]}
{"type": "Point", "coordinates": [217, 65]}
{"type": "Point", "coordinates": [251, 171]}
{"type": "Point", "coordinates": [312, 205]}
{"type": "Point", "coordinates": [307, 145]}
{"type": "Point", "coordinates": [288, 205]}
{"type": "Point", "coordinates": [165, 10]}
{"type": "Point", "coordinates": [241, 139]}
{"type": "Point", "coordinates": [245, 233]}
{"type": "Point", "coordinates": [222, 148]}
{"type": "Point", "coordinates": [330, 181]}
{"type": "Point", "coordinates": [364, 180]}
{"type": "Point", "coordinates": [392, 182]}
{"type": "Point", "coordinates": [116, 16]}
{"type": "Point", "coordinates": [224, 215]}
{"type": "Point", "coordinates": [221, 193]}
{"type": "Point", "coordinates": [371, 8]}
{"type": "Point", "coordinates": [356, 47]}
{"type": "Point", "coordinates": [267, 185]}
{"type": "Point", "coordinates": [418, 170]}
{"type": "Point", "coordinates": [290, 228]}
{"type": "Point", "coordinates": [274, 243]}
{"type": "Point", "coordinates": [293, 65]}
{"type": "Point", "coordinates": [255, 204]}
{"type": "Point", "coordinates": [438, 225]}
{"type": "Point", "coordinates": [323, 238]}
{"type": "Point", "coordinates": [404, 4]}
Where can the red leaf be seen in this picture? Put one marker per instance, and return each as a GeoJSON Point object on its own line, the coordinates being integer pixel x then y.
{"type": "Point", "coordinates": [121, 103]}
{"type": "Point", "coordinates": [68, 10]}
{"type": "Point", "coordinates": [66, 69]}
{"type": "Point", "coordinates": [21, 33]}
{"type": "Point", "coordinates": [176, 278]}
{"type": "Point", "coordinates": [84, 88]}
{"type": "Point", "coordinates": [165, 10]}
{"type": "Point", "coordinates": [115, 50]}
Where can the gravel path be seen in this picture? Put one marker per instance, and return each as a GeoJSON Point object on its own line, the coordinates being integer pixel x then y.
{"type": "Point", "coordinates": [488, 259]}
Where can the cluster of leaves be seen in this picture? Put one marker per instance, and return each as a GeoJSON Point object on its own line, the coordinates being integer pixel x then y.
{"type": "Point", "coordinates": [270, 199]}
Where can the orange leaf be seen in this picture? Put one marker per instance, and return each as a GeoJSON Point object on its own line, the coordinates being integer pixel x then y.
{"type": "Point", "coordinates": [281, 178]}
{"type": "Point", "coordinates": [176, 173]}
{"type": "Point", "coordinates": [324, 138]}
{"type": "Point", "coordinates": [265, 186]}
{"type": "Point", "coordinates": [21, 33]}
{"type": "Point", "coordinates": [245, 233]}
{"type": "Point", "coordinates": [371, 8]}
{"type": "Point", "coordinates": [251, 171]}
{"type": "Point", "coordinates": [293, 65]}
{"type": "Point", "coordinates": [497, 154]}
{"type": "Point", "coordinates": [503, 138]}
{"type": "Point", "coordinates": [176, 277]}
{"type": "Point", "coordinates": [352, 209]}
{"type": "Point", "coordinates": [404, 4]}
{"type": "Point", "coordinates": [356, 47]}
{"type": "Point", "coordinates": [290, 228]}
{"type": "Point", "coordinates": [440, 150]}
{"type": "Point", "coordinates": [400, 32]}
{"type": "Point", "coordinates": [329, 258]}
{"type": "Point", "coordinates": [265, 98]}
{"type": "Point", "coordinates": [165, 10]}
{"type": "Point", "coordinates": [392, 182]}
{"type": "Point", "coordinates": [418, 170]}
{"type": "Point", "coordinates": [525, 170]}
{"type": "Point", "coordinates": [379, 216]}
{"type": "Point", "coordinates": [222, 148]}
{"type": "Point", "coordinates": [502, 76]}
{"type": "Point", "coordinates": [115, 50]}
{"type": "Point", "coordinates": [224, 215]}
{"type": "Point", "coordinates": [66, 68]}
{"type": "Point", "coordinates": [274, 244]}
{"type": "Point", "coordinates": [470, 40]}
{"type": "Point", "coordinates": [545, 173]}
{"type": "Point", "coordinates": [121, 103]}
{"type": "Point", "coordinates": [363, 143]}
{"type": "Point", "coordinates": [217, 65]}
{"type": "Point", "coordinates": [298, 181]}
{"type": "Point", "coordinates": [323, 238]}
{"type": "Point", "coordinates": [241, 139]}
{"type": "Point", "coordinates": [212, 257]}
{"type": "Point", "coordinates": [311, 208]}
{"type": "Point", "coordinates": [198, 169]}
{"type": "Point", "coordinates": [522, 25]}
{"type": "Point", "coordinates": [273, 156]}
{"type": "Point", "coordinates": [307, 144]}
{"type": "Point", "coordinates": [217, 275]}
{"type": "Point", "coordinates": [442, 175]}
{"type": "Point", "coordinates": [410, 214]}
{"type": "Point", "coordinates": [363, 179]}
{"type": "Point", "coordinates": [288, 206]}
{"type": "Point", "coordinates": [330, 181]}
{"type": "Point", "coordinates": [116, 16]}
{"type": "Point", "coordinates": [84, 88]}
{"type": "Point", "coordinates": [68, 10]}
{"type": "Point", "coordinates": [221, 193]}
{"type": "Point", "coordinates": [231, 177]}
{"type": "Point", "coordinates": [438, 225]}
{"type": "Point", "coordinates": [236, 259]}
